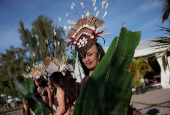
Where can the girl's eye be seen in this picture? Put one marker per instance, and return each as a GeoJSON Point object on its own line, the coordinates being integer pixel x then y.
{"type": "Point", "coordinates": [90, 54]}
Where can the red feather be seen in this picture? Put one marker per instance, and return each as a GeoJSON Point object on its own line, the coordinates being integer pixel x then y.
{"type": "Point", "coordinates": [71, 42]}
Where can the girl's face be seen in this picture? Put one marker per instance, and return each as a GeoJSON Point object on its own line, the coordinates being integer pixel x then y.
{"type": "Point", "coordinates": [91, 60]}
{"type": "Point", "coordinates": [37, 83]}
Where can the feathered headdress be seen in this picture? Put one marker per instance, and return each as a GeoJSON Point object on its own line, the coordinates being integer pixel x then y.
{"type": "Point", "coordinates": [84, 34]}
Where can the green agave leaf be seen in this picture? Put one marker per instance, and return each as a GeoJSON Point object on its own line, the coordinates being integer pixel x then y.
{"type": "Point", "coordinates": [108, 91]}
{"type": "Point", "coordinates": [30, 84]}
{"type": "Point", "coordinates": [33, 102]}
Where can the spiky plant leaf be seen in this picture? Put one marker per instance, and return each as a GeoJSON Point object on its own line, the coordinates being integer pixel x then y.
{"type": "Point", "coordinates": [30, 84]}
{"type": "Point", "coordinates": [34, 104]}
{"type": "Point", "coordinates": [108, 91]}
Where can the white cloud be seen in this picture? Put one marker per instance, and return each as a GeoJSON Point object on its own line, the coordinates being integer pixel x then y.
{"type": "Point", "coordinates": [153, 22]}
{"type": "Point", "coordinates": [147, 6]}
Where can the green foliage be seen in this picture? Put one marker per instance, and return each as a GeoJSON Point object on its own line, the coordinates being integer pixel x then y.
{"type": "Point", "coordinates": [139, 68]}
{"type": "Point", "coordinates": [108, 91]}
{"type": "Point", "coordinates": [34, 104]}
{"type": "Point", "coordinates": [5, 86]}
{"type": "Point", "coordinates": [41, 40]}
{"type": "Point", "coordinates": [165, 9]}
{"type": "Point", "coordinates": [13, 63]}
{"type": "Point", "coordinates": [29, 84]}
{"type": "Point", "coordinates": [137, 83]}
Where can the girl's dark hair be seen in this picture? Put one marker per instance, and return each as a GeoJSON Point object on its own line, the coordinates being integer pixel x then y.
{"type": "Point", "coordinates": [58, 79]}
{"type": "Point", "coordinates": [100, 50]}
{"type": "Point", "coordinates": [43, 82]}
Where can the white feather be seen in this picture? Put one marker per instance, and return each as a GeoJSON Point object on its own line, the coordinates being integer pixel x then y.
{"type": "Point", "coordinates": [55, 43]}
{"type": "Point", "coordinates": [87, 13]}
{"type": "Point", "coordinates": [73, 3]}
{"type": "Point", "coordinates": [54, 30]}
{"type": "Point", "coordinates": [103, 2]}
{"type": "Point", "coordinates": [99, 29]}
{"type": "Point", "coordinates": [36, 36]}
{"type": "Point", "coordinates": [68, 21]}
{"type": "Point", "coordinates": [67, 14]}
{"type": "Point", "coordinates": [97, 13]}
{"type": "Point", "coordinates": [105, 14]}
{"type": "Point", "coordinates": [54, 33]}
{"type": "Point", "coordinates": [102, 28]}
{"type": "Point", "coordinates": [82, 3]}
{"type": "Point", "coordinates": [65, 27]}
{"type": "Point", "coordinates": [94, 3]}
{"type": "Point", "coordinates": [72, 22]}
{"type": "Point", "coordinates": [83, 8]}
{"type": "Point", "coordinates": [95, 8]}
{"type": "Point", "coordinates": [106, 5]}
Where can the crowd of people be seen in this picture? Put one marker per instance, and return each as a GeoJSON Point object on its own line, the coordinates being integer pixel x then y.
{"type": "Point", "coordinates": [55, 87]}
{"type": "Point", "coordinates": [57, 92]}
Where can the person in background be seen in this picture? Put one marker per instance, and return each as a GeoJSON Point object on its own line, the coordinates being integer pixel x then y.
{"type": "Point", "coordinates": [17, 100]}
{"type": "Point", "coordinates": [9, 103]}
{"type": "Point", "coordinates": [64, 97]}
{"type": "Point", "coordinates": [26, 109]}
{"type": "Point", "coordinates": [43, 92]}
{"type": "Point", "coordinates": [5, 105]}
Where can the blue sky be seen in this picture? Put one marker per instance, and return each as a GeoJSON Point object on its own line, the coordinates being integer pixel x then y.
{"type": "Point", "coordinates": [137, 15]}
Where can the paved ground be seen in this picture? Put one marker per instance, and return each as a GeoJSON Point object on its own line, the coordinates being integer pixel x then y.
{"type": "Point", "coordinates": [155, 102]}
{"type": "Point", "coordinates": [13, 111]}
{"type": "Point", "coordinates": [16, 112]}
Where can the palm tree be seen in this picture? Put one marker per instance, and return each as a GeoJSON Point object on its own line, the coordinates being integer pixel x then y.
{"type": "Point", "coordinates": [139, 67]}
{"type": "Point", "coordinates": [165, 9]}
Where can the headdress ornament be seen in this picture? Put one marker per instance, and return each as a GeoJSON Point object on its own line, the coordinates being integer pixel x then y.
{"type": "Point", "coordinates": [51, 65]}
{"type": "Point", "coordinates": [84, 34]}
{"type": "Point", "coordinates": [35, 73]}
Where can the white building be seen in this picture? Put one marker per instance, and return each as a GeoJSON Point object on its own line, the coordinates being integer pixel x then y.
{"type": "Point", "coordinates": [144, 48]}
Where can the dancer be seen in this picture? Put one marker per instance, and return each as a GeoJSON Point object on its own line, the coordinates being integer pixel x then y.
{"type": "Point", "coordinates": [84, 36]}
{"type": "Point", "coordinates": [64, 97]}
{"type": "Point", "coordinates": [43, 92]}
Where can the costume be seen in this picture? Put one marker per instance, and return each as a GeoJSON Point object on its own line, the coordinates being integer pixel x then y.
{"type": "Point", "coordinates": [100, 87]}
{"type": "Point", "coordinates": [83, 82]}
{"type": "Point", "coordinates": [84, 34]}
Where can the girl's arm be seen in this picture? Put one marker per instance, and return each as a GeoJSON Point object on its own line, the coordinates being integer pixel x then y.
{"type": "Point", "coordinates": [61, 101]}
{"type": "Point", "coordinates": [49, 96]}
